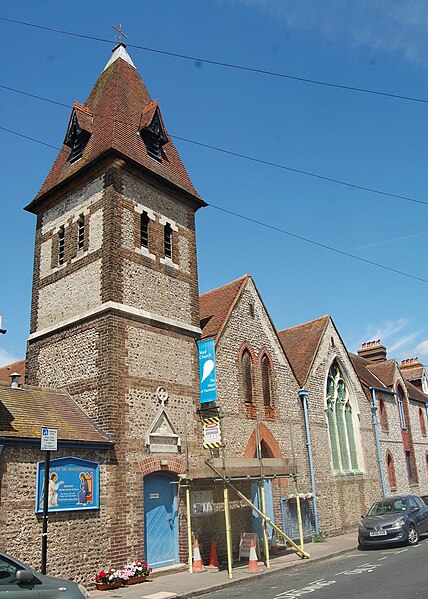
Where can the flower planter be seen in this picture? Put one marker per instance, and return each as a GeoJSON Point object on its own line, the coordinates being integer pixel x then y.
{"type": "Point", "coordinates": [102, 586]}
{"type": "Point", "coordinates": [135, 580]}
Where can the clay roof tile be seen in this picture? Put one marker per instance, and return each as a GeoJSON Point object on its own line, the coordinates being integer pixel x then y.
{"type": "Point", "coordinates": [215, 306]}
{"type": "Point", "coordinates": [48, 409]}
{"type": "Point", "coordinates": [114, 111]}
{"type": "Point", "coordinates": [300, 344]}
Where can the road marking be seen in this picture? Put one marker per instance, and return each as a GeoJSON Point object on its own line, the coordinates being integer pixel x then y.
{"type": "Point", "coordinates": [361, 569]}
{"type": "Point", "coordinates": [317, 585]}
{"type": "Point", "coordinates": [160, 595]}
{"type": "Point", "coordinates": [381, 558]}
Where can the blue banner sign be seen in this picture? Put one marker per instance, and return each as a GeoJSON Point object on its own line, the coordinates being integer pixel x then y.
{"type": "Point", "coordinates": [207, 371]}
{"type": "Point", "coordinates": [74, 484]}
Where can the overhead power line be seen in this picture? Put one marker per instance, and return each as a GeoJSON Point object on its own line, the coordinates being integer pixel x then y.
{"type": "Point", "coordinates": [228, 65]}
{"type": "Point", "coordinates": [271, 227]}
{"type": "Point", "coordinates": [246, 156]}
{"type": "Point", "coordinates": [318, 244]}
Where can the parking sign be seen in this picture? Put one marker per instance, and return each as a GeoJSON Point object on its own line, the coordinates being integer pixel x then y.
{"type": "Point", "coordinates": [49, 439]}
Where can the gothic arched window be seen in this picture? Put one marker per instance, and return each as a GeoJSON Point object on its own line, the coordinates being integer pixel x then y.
{"type": "Point", "coordinates": [400, 403]}
{"type": "Point", "coordinates": [383, 417]}
{"type": "Point", "coordinates": [247, 376]}
{"type": "Point", "coordinates": [342, 424]}
{"type": "Point", "coordinates": [266, 381]}
{"type": "Point", "coordinates": [391, 470]}
{"type": "Point", "coordinates": [422, 422]}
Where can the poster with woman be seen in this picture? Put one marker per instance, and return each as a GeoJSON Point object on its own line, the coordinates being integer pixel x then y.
{"type": "Point", "coordinates": [73, 485]}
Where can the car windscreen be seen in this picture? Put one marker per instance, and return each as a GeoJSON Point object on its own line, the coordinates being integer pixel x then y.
{"type": "Point", "coordinates": [387, 506]}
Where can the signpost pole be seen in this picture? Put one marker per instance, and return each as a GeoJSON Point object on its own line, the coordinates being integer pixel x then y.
{"type": "Point", "coordinates": [45, 512]}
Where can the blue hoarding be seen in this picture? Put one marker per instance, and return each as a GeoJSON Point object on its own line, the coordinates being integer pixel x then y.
{"type": "Point", "coordinates": [207, 371]}
{"type": "Point", "coordinates": [74, 484]}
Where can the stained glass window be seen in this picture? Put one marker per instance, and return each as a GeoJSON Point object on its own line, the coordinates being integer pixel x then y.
{"type": "Point", "coordinates": [342, 425]}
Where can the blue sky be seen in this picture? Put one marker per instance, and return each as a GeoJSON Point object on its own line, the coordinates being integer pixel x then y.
{"type": "Point", "coordinates": [364, 139]}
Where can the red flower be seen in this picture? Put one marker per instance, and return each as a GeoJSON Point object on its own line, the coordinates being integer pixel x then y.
{"type": "Point", "coordinates": [150, 569]}
{"type": "Point", "coordinates": [145, 564]}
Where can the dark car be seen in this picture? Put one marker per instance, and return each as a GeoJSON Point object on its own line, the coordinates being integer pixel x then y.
{"type": "Point", "coordinates": [400, 519]}
{"type": "Point", "coordinates": [20, 581]}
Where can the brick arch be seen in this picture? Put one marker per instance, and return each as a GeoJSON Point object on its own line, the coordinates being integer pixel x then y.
{"type": "Point", "coordinates": [268, 438]}
{"type": "Point", "coordinates": [153, 464]}
{"type": "Point", "coordinates": [265, 352]}
{"type": "Point", "coordinates": [246, 346]}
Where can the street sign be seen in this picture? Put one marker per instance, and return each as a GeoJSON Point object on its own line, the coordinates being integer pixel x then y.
{"type": "Point", "coordinates": [49, 439]}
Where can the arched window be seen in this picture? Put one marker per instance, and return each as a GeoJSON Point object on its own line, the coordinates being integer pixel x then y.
{"type": "Point", "coordinates": [422, 422]}
{"type": "Point", "coordinates": [400, 400]}
{"type": "Point", "coordinates": [246, 376]}
{"type": "Point", "coordinates": [383, 417]}
{"type": "Point", "coordinates": [391, 470]}
{"type": "Point", "coordinates": [266, 381]}
{"type": "Point", "coordinates": [342, 425]}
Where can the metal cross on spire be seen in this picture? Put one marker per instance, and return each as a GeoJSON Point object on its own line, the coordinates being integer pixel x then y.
{"type": "Point", "coordinates": [120, 33]}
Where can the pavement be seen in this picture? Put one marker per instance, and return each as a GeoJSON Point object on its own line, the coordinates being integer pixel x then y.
{"type": "Point", "coordinates": [172, 584]}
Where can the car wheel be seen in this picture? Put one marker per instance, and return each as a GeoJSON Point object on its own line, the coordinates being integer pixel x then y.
{"type": "Point", "coordinates": [412, 536]}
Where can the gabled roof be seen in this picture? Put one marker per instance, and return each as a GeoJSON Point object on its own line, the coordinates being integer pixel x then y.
{"type": "Point", "coordinates": [385, 371]}
{"type": "Point", "coordinates": [415, 393]}
{"type": "Point", "coordinates": [18, 367]}
{"type": "Point", "coordinates": [216, 305]}
{"type": "Point", "coordinates": [300, 344]}
{"type": "Point", "coordinates": [367, 378]}
{"type": "Point", "coordinates": [112, 115]}
{"type": "Point", "coordinates": [383, 374]}
{"type": "Point", "coordinates": [24, 411]}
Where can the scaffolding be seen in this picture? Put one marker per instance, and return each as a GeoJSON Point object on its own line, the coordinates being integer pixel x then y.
{"type": "Point", "coordinates": [224, 471]}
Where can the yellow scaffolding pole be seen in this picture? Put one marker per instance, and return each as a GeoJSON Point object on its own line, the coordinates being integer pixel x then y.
{"type": "Point", "coordinates": [299, 520]}
{"type": "Point", "coordinates": [303, 554]}
{"type": "Point", "coordinates": [189, 529]}
{"type": "Point", "coordinates": [228, 531]}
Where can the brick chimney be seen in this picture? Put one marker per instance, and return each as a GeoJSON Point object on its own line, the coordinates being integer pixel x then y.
{"type": "Point", "coordinates": [414, 371]}
{"type": "Point", "coordinates": [409, 363]}
{"type": "Point", "coordinates": [373, 351]}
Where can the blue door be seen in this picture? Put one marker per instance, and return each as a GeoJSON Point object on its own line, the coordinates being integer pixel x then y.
{"type": "Point", "coordinates": [160, 520]}
{"type": "Point", "coordinates": [257, 521]}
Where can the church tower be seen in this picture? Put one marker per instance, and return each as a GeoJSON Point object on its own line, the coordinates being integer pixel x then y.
{"type": "Point", "coordinates": [115, 309]}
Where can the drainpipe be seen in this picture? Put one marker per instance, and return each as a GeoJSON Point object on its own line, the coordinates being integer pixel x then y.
{"type": "Point", "coordinates": [376, 432]}
{"type": "Point", "coordinates": [303, 394]}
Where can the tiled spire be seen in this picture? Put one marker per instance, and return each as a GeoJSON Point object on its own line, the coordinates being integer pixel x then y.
{"type": "Point", "coordinates": [116, 117]}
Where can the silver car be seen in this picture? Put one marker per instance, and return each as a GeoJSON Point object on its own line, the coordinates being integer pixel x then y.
{"type": "Point", "coordinates": [18, 581]}
{"type": "Point", "coordinates": [400, 519]}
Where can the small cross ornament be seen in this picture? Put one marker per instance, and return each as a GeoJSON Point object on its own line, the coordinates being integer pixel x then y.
{"type": "Point", "coordinates": [120, 33]}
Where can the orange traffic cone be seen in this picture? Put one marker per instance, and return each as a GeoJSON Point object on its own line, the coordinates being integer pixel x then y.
{"type": "Point", "coordinates": [273, 545]}
{"type": "Point", "coordinates": [213, 555]}
{"type": "Point", "coordinates": [198, 566]}
{"type": "Point", "coordinates": [253, 562]}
